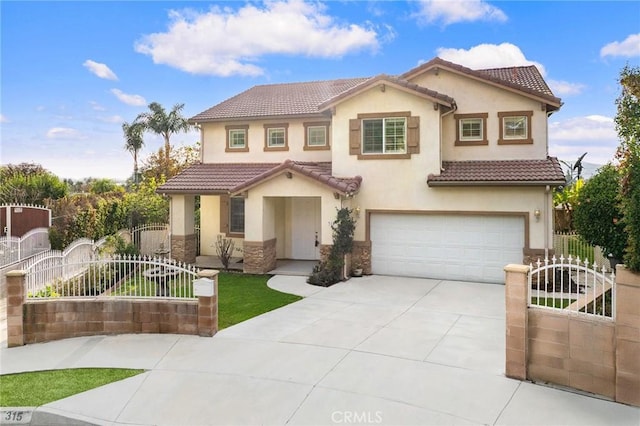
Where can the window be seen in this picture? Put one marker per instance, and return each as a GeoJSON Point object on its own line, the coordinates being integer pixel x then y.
{"type": "Point", "coordinates": [316, 136]}
{"type": "Point", "coordinates": [384, 136]}
{"type": "Point", "coordinates": [236, 215]}
{"type": "Point", "coordinates": [515, 127]}
{"type": "Point", "coordinates": [389, 135]}
{"type": "Point", "coordinates": [471, 129]}
{"type": "Point", "coordinates": [237, 139]}
{"type": "Point", "coordinates": [276, 137]}
{"type": "Point", "coordinates": [232, 216]}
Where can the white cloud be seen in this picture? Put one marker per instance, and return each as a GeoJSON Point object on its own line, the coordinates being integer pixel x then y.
{"type": "Point", "coordinates": [225, 42]}
{"type": "Point", "coordinates": [3, 118]}
{"type": "Point", "coordinates": [594, 134]}
{"type": "Point", "coordinates": [63, 133]}
{"type": "Point", "coordinates": [101, 70]}
{"type": "Point", "coordinates": [134, 100]}
{"type": "Point", "coordinates": [559, 87]}
{"type": "Point", "coordinates": [628, 48]}
{"type": "Point", "coordinates": [488, 56]}
{"type": "Point", "coordinates": [452, 11]}
{"type": "Point", "coordinates": [112, 119]}
{"type": "Point", "coordinates": [96, 106]}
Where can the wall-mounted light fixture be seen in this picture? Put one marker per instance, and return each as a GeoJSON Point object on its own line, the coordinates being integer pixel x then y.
{"type": "Point", "coordinates": [357, 211]}
{"type": "Point", "coordinates": [289, 175]}
{"type": "Point", "coordinates": [537, 214]}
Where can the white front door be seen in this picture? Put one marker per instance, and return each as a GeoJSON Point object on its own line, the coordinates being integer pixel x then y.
{"type": "Point", "coordinates": [305, 228]}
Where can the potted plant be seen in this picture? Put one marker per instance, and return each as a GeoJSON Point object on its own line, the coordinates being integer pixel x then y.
{"type": "Point", "coordinates": [356, 269]}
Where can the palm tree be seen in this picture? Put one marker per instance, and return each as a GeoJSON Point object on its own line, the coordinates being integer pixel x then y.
{"type": "Point", "coordinates": [159, 122]}
{"type": "Point", "coordinates": [134, 143]}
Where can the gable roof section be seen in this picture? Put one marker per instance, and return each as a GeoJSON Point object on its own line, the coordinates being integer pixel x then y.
{"type": "Point", "coordinates": [498, 173]}
{"type": "Point", "coordinates": [526, 79]}
{"type": "Point", "coordinates": [396, 82]}
{"type": "Point", "coordinates": [274, 100]}
{"type": "Point", "coordinates": [233, 178]}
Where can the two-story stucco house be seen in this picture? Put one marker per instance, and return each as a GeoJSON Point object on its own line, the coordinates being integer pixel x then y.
{"type": "Point", "coordinates": [446, 168]}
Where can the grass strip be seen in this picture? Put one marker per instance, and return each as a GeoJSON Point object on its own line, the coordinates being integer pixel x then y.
{"type": "Point", "coordinates": [244, 296]}
{"type": "Point", "coordinates": [36, 388]}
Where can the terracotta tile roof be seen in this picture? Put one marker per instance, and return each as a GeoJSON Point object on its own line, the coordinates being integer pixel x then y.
{"type": "Point", "coordinates": [232, 178]}
{"type": "Point", "coordinates": [505, 172]}
{"type": "Point", "coordinates": [525, 79]}
{"type": "Point", "coordinates": [278, 99]}
{"type": "Point", "coordinates": [382, 78]}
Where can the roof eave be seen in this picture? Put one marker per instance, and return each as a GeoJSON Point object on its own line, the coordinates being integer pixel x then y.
{"type": "Point", "coordinates": [194, 120]}
{"type": "Point", "coordinates": [192, 191]}
{"type": "Point", "coordinates": [495, 183]}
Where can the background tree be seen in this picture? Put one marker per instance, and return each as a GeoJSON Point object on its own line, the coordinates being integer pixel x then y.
{"type": "Point", "coordinates": [29, 183]}
{"type": "Point", "coordinates": [159, 167]}
{"type": "Point", "coordinates": [628, 127]}
{"type": "Point", "coordinates": [133, 144]}
{"type": "Point", "coordinates": [597, 216]}
{"type": "Point", "coordinates": [158, 121]}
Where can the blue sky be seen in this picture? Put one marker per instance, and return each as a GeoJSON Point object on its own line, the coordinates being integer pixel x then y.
{"type": "Point", "coordinates": [72, 72]}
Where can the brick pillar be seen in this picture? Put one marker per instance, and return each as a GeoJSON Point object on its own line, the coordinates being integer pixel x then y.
{"type": "Point", "coordinates": [15, 307]}
{"type": "Point", "coordinates": [208, 307]}
{"type": "Point", "coordinates": [627, 315]}
{"type": "Point", "coordinates": [516, 283]}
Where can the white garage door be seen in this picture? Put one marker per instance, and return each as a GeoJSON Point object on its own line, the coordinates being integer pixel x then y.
{"type": "Point", "coordinates": [453, 247]}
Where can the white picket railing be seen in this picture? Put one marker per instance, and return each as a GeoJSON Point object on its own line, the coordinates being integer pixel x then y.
{"type": "Point", "coordinates": [572, 285]}
{"type": "Point", "coordinates": [14, 249]}
{"type": "Point", "coordinates": [121, 276]}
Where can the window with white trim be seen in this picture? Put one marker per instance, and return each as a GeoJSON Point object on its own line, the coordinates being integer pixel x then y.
{"type": "Point", "coordinates": [471, 129]}
{"type": "Point", "coordinates": [276, 137]}
{"type": "Point", "coordinates": [384, 135]}
{"type": "Point", "coordinates": [237, 138]}
{"type": "Point", "coordinates": [515, 127]}
{"type": "Point", "coordinates": [317, 135]}
{"type": "Point", "coordinates": [236, 215]}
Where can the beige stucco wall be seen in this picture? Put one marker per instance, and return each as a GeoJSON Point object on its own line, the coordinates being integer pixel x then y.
{"type": "Point", "coordinates": [259, 205]}
{"type": "Point", "coordinates": [214, 143]}
{"type": "Point", "coordinates": [210, 225]}
{"type": "Point", "coordinates": [479, 97]}
{"type": "Point", "coordinates": [181, 214]}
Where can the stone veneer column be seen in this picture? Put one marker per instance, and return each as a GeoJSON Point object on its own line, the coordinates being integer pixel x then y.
{"type": "Point", "coordinates": [516, 283]}
{"type": "Point", "coordinates": [627, 315]}
{"type": "Point", "coordinates": [208, 307]}
{"type": "Point", "coordinates": [362, 252]}
{"type": "Point", "coordinates": [259, 257]}
{"type": "Point", "coordinates": [183, 248]}
{"type": "Point", "coordinates": [15, 307]}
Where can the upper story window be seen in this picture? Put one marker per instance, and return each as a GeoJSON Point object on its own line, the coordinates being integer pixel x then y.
{"type": "Point", "coordinates": [276, 136]}
{"type": "Point", "coordinates": [515, 127]}
{"type": "Point", "coordinates": [384, 136]}
{"type": "Point", "coordinates": [471, 129]}
{"type": "Point", "coordinates": [316, 136]}
{"type": "Point", "coordinates": [237, 138]}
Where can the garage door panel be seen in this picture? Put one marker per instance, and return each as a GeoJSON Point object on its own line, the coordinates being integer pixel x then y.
{"type": "Point", "coordinates": [457, 247]}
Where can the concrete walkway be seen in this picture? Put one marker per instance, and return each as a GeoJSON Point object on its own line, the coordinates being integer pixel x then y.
{"type": "Point", "coordinates": [377, 350]}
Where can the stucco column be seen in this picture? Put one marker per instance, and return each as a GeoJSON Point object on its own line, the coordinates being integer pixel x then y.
{"type": "Point", "coordinates": [627, 315]}
{"type": "Point", "coordinates": [15, 307]}
{"type": "Point", "coordinates": [208, 307]}
{"type": "Point", "coordinates": [516, 283]}
{"type": "Point", "coordinates": [182, 220]}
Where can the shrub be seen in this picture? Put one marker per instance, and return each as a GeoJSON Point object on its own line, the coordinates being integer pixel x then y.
{"type": "Point", "coordinates": [598, 217]}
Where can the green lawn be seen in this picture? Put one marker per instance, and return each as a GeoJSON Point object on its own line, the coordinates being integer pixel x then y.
{"type": "Point", "coordinates": [244, 296]}
{"type": "Point", "coordinates": [552, 302]}
{"type": "Point", "coordinates": [41, 387]}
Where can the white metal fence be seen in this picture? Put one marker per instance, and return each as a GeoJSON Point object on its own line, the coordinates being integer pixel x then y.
{"type": "Point", "coordinates": [14, 249]}
{"type": "Point", "coordinates": [121, 276]}
{"type": "Point", "coordinates": [572, 285]}
{"type": "Point", "coordinates": [570, 244]}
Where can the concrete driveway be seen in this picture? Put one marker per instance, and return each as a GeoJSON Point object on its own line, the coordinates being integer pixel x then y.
{"type": "Point", "coordinates": [373, 350]}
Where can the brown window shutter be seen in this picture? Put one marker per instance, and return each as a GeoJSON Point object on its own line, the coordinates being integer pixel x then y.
{"type": "Point", "coordinates": [413, 135]}
{"type": "Point", "coordinates": [224, 214]}
{"type": "Point", "coordinates": [354, 136]}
